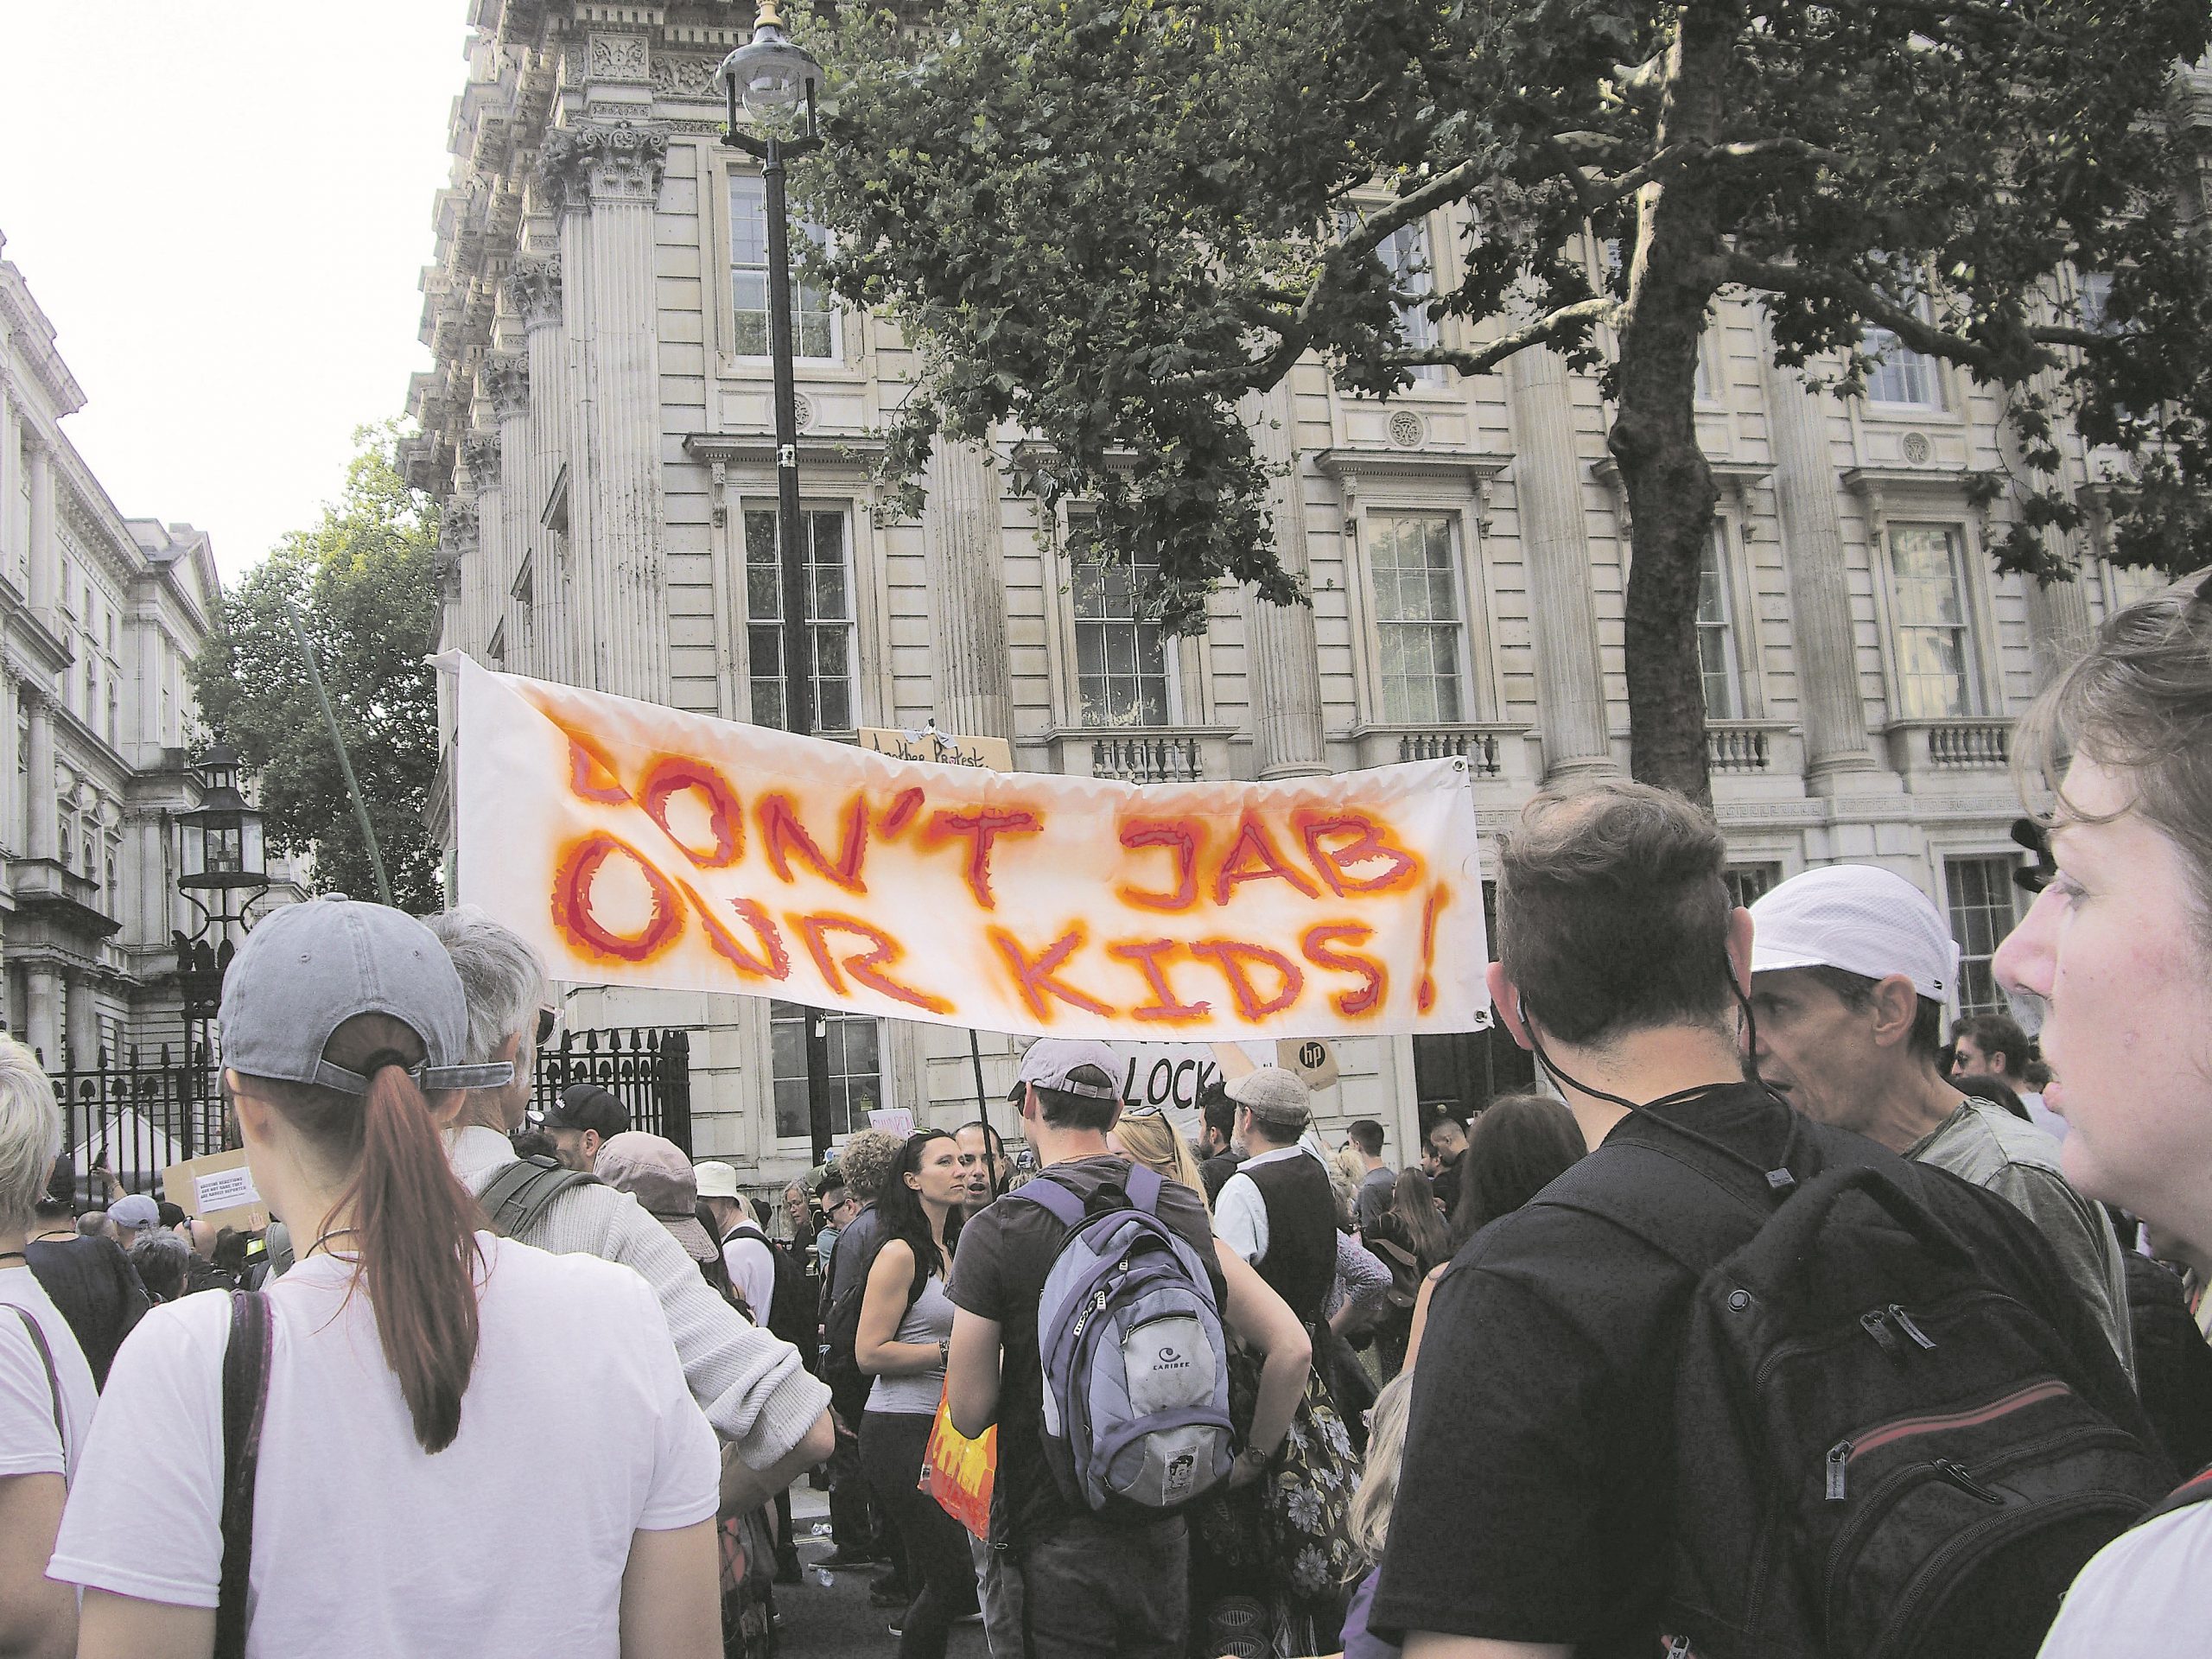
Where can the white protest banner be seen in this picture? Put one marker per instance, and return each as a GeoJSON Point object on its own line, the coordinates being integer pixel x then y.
{"type": "Point", "coordinates": [634, 844]}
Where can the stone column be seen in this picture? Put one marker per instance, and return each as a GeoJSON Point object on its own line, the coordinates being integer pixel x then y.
{"type": "Point", "coordinates": [1836, 742]}
{"type": "Point", "coordinates": [41, 804]}
{"type": "Point", "coordinates": [506, 381]}
{"type": "Point", "coordinates": [973, 683]}
{"type": "Point", "coordinates": [10, 692]}
{"type": "Point", "coordinates": [45, 548]}
{"type": "Point", "coordinates": [11, 462]}
{"type": "Point", "coordinates": [42, 1014]}
{"type": "Point", "coordinates": [1555, 539]}
{"type": "Point", "coordinates": [2059, 628]}
{"type": "Point", "coordinates": [534, 285]}
{"type": "Point", "coordinates": [613, 170]}
{"type": "Point", "coordinates": [456, 558]}
{"type": "Point", "coordinates": [84, 1019]}
{"type": "Point", "coordinates": [1284, 683]}
{"type": "Point", "coordinates": [479, 453]}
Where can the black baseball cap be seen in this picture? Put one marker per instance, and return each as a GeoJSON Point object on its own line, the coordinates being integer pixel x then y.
{"type": "Point", "coordinates": [588, 1106]}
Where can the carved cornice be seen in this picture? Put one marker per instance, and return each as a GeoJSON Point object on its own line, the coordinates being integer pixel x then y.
{"type": "Point", "coordinates": [534, 288]}
{"type": "Point", "coordinates": [609, 162]}
{"type": "Point", "coordinates": [503, 377]}
{"type": "Point", "coordinates": [479, 453]}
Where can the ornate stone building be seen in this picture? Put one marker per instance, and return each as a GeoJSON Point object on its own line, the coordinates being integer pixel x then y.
{"type": "Point", "coordinates": [99, 615]}
{"type": "Point", "coordinates": [599, 421]}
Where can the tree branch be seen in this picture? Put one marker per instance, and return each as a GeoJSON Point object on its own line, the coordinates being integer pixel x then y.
{"type": "Point", "coordinates": [1567, 320]}
{"type": "Point", "coordinates": [1870, 302]}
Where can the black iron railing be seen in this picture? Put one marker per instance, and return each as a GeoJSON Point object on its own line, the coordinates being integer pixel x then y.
{"type": "Point", "coordinates": [648, 1070]}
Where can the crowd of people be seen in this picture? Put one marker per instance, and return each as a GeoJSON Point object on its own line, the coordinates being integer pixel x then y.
{"type": "Point", "coordinates": [1786, 1321]}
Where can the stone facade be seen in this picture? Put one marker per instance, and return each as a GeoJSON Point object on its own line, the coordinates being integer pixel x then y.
{"type": "Point", "coordinates": [602, 396]}
{"type": "Point", "coordinates": [99, 615]}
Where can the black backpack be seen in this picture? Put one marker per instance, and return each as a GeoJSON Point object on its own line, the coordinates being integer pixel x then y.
{"type": "Point", "coordinates": [1897, 1432]}
{"type": "Point", "coordinates": [790, 1307]}
{"type": "Point", "coordinates": [840, 1328]}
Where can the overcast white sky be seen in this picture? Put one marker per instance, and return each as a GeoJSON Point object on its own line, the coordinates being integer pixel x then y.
{"type": "Point", "coordinates": [223, 208]}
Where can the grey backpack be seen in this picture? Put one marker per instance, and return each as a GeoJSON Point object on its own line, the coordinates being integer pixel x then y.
{"type": "Point", "coordinates": [1136, 1394]}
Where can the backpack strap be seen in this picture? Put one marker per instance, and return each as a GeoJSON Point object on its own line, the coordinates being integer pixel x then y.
{"type": "Point", "coordinates": [245, 1401]}
{"type": "Point", "coordinates": [2197, 1489]}
{"type": "Point", "coordinates": [521, 1193]}
{"type": "Point", "coordinates": [52, 1377]}
{"type": "Point", "coordinates": [1142, 1186]}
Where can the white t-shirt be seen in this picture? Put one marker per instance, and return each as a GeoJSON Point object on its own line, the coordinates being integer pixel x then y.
{"type": "Point", "coordinates": [28, 1443]}
{"type": "Point", "coordinates": [577, 1431]}
{"type": "Point", "coordinates": [2146, 1595]}
{"type": "Point", "coordinates": [752, 1270]}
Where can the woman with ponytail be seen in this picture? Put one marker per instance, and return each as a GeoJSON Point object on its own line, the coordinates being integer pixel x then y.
{"type": "Point", "coordinates": [405, 1498]}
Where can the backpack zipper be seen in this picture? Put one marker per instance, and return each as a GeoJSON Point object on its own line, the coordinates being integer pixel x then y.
{"type": "Point", "coordinates": [1905, 1323]}
{"type": "Point", "coordinates": [1097, 1305]}
{"type": "Point", "coordinates": [1875, 1326]}
{"type": "Point", "coordinates": [1958, 1475]}
{"type": "Point", "coordinates": [1843, 1452]}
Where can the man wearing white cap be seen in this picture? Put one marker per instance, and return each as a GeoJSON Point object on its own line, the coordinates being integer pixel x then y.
{"type": "Point", "coordinates": [746, 1251]}
{"type": "Point", "coordinates": [1850, 966]}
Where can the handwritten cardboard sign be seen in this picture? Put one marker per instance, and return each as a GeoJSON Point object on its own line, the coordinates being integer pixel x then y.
{"type": "Point", "coordinates": [634, 844]}
{"type": "Point", "coordinates": [218, 1188]}
{"type": "Point", "coordinates": [930, 744]}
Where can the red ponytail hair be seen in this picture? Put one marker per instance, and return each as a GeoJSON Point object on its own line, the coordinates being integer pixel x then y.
{"type": "Point", "coordinates": [413, 1222]}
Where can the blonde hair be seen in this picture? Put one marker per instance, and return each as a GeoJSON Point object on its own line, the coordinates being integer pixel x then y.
{"type": "Point", "coordinates": [1369, 1519]}
{"type": "Point", "coordinates": [1150, 1139]}
{"type": "Point", "coordinates": [30, 1132]}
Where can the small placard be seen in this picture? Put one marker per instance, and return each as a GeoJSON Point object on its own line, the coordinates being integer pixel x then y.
{"type": "Point", "coordinates": [217, 1188]}
{"type": "Point", "coordinates": [893, 1120]}
{"type": "Point", "coordinates": [944, 748]}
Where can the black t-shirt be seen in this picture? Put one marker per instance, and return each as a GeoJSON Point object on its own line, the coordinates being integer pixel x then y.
{"type": "Point", "coordinates": [1006, 1254]}
{"type": "Point", "coordinates": [1216, 1172]}
{"type": "Point", "coordinates": [1532, 1500]}
{"type": "Point", "coordinates": [97, 1291]}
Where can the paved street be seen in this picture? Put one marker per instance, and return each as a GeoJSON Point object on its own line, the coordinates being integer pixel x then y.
{"type": "Point", "coordinates": [820, 1622]}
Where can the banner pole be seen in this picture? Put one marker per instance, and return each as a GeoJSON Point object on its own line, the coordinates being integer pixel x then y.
{"type": "Point", "coordinates": [345, 765]}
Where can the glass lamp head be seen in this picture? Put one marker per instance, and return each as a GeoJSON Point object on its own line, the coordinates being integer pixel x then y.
{"type": "Point", "coordinates": [772, 78]}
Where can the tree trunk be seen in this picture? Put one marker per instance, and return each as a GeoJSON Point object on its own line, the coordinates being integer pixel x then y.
{"type": "Point", "coordinates": [1654, 440]}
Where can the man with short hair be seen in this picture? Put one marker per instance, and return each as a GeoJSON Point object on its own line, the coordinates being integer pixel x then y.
{"type": "Point", "coordinates": [1088, 1587]}
{"type": "Point", "coordinates": [1848, 976]}
{"type": "Point", "coordinates": [1447, 1139]}
{"type": "Point", "coordinates": [586, 1117]}
{"type": "Point", "coordinates": [1218, 1155]}
{"type": "Point", "coordinates": [1993, 1046]}
{"type": "Point", "coordinates": [90, 1278]}
{"type": "Point", "coordinates": [1533, 1513]}
{"type": "Point", "coordinates": [753, 1386]}
{"type": "Point", "coordinates": [1372, 1200]}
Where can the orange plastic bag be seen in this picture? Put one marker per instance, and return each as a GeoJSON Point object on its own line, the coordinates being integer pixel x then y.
{"type": "Point", "coordinates": [958, 1472]}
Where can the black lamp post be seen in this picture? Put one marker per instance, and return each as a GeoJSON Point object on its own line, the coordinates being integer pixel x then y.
{"type": "Point", "coordinates": [770, 86]}
{"type": "Point", "coordinates": [220, 870]}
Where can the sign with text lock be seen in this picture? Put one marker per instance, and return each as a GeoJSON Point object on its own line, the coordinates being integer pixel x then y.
{"type": "Point", "coordinates": [634, 844]}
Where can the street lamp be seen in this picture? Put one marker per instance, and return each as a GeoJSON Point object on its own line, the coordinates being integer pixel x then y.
{"type": "Point", "coordinates": [220, 869]}
{"type": "Point", "coordinates": [770, 87]}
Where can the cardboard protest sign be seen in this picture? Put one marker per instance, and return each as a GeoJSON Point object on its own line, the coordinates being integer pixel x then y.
{"type": "Point", "coordinates": [218, 1188]}
{"type": "Point", "coordinates": [634, 844]}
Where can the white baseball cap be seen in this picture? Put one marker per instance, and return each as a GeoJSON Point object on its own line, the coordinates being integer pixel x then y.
{"type": "Point", "coordinates": [1862, 919]}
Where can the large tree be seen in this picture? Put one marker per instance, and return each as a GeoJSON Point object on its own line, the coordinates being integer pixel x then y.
{"type": "Point", "coordinates": [361, 584]}
{"type": "Point", "coordinates": [1112, 221]}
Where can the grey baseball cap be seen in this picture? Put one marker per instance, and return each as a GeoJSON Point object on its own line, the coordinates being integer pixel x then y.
{"type": "Point", "coordinates": [1050, 1060]}
{"type": "Point", "coordinates": [309, 967]}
